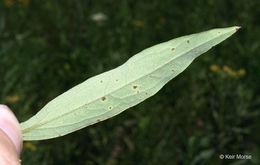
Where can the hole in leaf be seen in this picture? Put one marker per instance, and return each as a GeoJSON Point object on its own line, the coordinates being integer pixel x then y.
{"type": "Point", "coordinates": [103, 98]}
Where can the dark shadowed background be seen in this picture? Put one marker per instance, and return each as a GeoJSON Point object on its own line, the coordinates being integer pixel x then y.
{"type": "Point", "coordinates": [212, 108]}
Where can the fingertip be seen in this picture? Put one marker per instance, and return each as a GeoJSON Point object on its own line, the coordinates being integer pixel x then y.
{"type": "Point", "coordinates": [10, 126]}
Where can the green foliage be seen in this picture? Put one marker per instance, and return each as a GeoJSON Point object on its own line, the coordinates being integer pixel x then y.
{"type": "Point", "coordinates": [47, 47]}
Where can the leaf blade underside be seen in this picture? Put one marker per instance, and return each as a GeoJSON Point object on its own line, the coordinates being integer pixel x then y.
{"type": "Point", "coordinates": [110, 93]}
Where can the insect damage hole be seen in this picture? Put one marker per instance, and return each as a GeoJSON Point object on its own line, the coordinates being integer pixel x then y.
{"type": "Point", "coordinates": [103, 98]}
{"type": "Point", "coordinates": [135, 87]}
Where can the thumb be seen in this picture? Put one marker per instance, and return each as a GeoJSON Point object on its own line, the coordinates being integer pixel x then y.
{"type": "Point", "coordinates": [10, 137]}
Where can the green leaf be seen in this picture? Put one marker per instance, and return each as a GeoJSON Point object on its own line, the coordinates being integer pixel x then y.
{"type": "Point", "coordinates": [110, 93]}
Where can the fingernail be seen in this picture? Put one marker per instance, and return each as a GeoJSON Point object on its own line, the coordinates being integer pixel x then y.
{"type": "Point", "coordinates": [10, 125]}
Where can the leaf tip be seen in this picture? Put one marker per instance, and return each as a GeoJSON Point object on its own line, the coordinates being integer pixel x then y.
{"type": "Point", "coordinates": [237, 28]}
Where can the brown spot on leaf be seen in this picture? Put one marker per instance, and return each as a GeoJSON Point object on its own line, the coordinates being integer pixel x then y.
{"type": "Point", "coordinates": [101, 81]}
{"type": "Point", "coordinates": [146, 93]}
{"type": "Point", "coordinates": [98, 120]}
{"type": "Point", "coordinates": [218, 32]}
{"type": "Point", "coordinates": [188, 41]}
{"type": "Point", "coordinates": [110, 107]}
{"type": "Point", "coordinates": [103, 98]}
{"type": "Point", "coordinates": [172, 70]}
{"type": "Point", "coordinates": [173, 49]}
{"type": "Point", "coordinates": [134, 86]}
{"type": "Point", "coordinates": [116, 80]}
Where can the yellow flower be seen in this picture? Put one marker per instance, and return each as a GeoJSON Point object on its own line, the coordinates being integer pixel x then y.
{"type": "Point", "coordinates": [8, 3]}
{"type": "Point", "coordinates": [214, 68]}
{"type": "Point", "coordinates": [229, 71]}
{"type": "Point", "coordinates": [138, 23]}
{"type": "Point", "coordinates": [12, 99]}
{"type": "Point", "coordinates": [25, 2]}
{"type": "Point", "coordinates": [241, 72]}
{"type": "Point", "coordinates": [30, 146]}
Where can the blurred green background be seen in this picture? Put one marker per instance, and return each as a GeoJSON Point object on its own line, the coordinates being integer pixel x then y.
{"type": "Point", "coordinates": [212, 108]}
